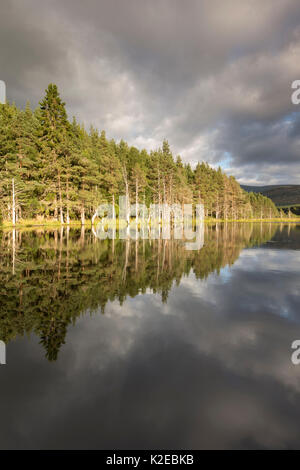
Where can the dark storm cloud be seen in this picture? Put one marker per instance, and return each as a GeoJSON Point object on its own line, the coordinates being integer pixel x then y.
{"type": "Point", "coordinates": [30, 55]}
{"type": "Point", "coordinates": [214, 78]}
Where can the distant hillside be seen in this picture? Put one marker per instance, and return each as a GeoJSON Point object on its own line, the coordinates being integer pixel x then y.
{"type": "Point", "coordinates": [281, 194]}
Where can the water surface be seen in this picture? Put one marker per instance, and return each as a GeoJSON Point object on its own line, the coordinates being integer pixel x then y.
{"type": "Point", "coordinates": [124, 344]}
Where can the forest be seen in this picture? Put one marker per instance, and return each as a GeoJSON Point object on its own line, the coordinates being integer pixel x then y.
{"type": "Point", "coordinates": [53, 169]}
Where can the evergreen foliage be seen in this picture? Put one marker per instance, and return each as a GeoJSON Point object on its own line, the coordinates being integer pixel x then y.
{"type": "Point", "coordinates": [61, 172]}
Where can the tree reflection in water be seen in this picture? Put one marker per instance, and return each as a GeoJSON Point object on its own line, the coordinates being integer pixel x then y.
{"type": "Point", "coordinates": [48, 278]}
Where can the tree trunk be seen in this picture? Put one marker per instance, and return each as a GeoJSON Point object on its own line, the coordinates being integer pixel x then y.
{"type": "Point", "coordinates": [13, 203]}
{"type": "Point", "coordinates": [55, 208]}
{"type": "Point", "coordinates": [68, 212]}
{"type": "Point", "coordinates": [136, 201]}
{"type": "Point", "coordinates": [61, 214]}
{"type": "Point", "coordinates": [114, 211]}
{"type": "Point", "coordinates": [144, 208]}
{"type": "Point", "coordinates": [127, 194]}
{"type": "Point", "coordinates": [82, 215]}
{"type": "Point", "coordinates": [14, 251]}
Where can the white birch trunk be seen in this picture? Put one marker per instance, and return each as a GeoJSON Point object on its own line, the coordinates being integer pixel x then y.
{"type": "Point", "coordinates": [13, 203]}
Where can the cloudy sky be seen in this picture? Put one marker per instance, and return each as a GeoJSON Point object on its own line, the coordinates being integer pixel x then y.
{"type": "Point", "coordinates": [213, 77]}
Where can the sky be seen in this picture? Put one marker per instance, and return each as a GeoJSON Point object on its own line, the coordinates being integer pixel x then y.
{"type": "Point", "coordinates": [213, 77]}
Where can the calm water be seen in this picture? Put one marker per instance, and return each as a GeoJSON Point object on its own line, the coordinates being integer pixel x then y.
{"type": "Point", "coordinates": [147, 345]}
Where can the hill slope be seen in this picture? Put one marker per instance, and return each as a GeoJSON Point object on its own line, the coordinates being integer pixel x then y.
{"type": "Point", "coordinates": [281, 194]}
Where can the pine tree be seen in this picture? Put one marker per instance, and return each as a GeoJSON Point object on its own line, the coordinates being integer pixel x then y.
{"type": "Point", "coordinates": [50, 167]}
{"type": "Point", "coordinates": [55, 129]}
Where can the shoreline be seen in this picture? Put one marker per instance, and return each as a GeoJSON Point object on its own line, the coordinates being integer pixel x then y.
{"type": "Point", "coordinates": [77, 224]}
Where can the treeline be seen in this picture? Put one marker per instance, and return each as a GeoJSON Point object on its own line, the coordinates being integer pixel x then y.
{"type": "Point", "coordinates": [51, 168]}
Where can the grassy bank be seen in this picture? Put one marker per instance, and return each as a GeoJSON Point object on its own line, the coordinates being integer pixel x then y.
{"type": "Point", "coordinates": [40, 223]}
{"type": "Point", "coordinates": [273, 220]}
{"type": "Point", "coordinates": [34, 223]}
